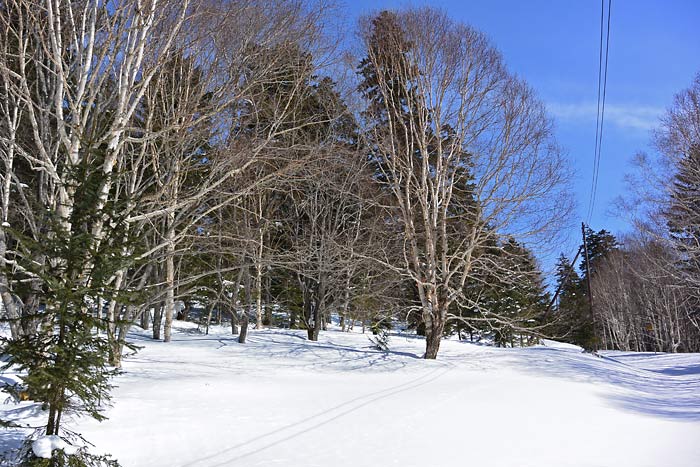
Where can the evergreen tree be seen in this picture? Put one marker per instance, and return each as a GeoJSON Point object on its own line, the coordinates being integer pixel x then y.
{"type": "Point", "coordinates": [571, 317]}
{"type": "Point", "coordinates": [600, 245]}
{"type": "Point", "coordinates": [574, 321]}
{"type": "Point", "coordinates": [65, 364]}
{"type": "Point", "coordinates": [683, 214]}
{"type": "Point", "coordinates": [518, 297]}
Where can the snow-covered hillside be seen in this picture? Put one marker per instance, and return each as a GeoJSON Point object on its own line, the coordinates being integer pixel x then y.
{"type": "Point", "coordinates": [281, 400]}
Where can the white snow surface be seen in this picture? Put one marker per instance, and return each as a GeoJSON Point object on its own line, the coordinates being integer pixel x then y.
{"type": "Point", "coordinates": [45, 445]}
{"type": "Point", "coordinates": [279, 400]}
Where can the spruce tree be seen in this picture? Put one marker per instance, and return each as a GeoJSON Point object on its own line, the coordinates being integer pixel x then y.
{"type": "Point", "coordinates": [64, 365]}
{"type": "Point", "coordinates": [575, 323]}
{"type": "Point", "coordinates": [683, 213]}
{"type": "Point", "coordinates": [571, 315]}
{"type": "Point", "coordinates": [519, 297]}
{"type": "Point", "coordinates": [600, 245]}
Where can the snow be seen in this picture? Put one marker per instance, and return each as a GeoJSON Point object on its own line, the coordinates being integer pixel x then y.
{"type": "Point", "coordinates": [560, 345]}
{"type": "Point", "coordinates": [44, 446]}
{"type": "Point", "coordinates": [205, 401]}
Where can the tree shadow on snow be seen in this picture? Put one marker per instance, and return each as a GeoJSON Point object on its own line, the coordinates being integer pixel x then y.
{"type": "Point", "coordinates": [672, 393]}
{"type": "Point", "coordinates": [685, 370]}
{"type": "Point", "coordinates": [5, 381]}
{"type": "Point", "coordinates": [11, 440]}
{"type": "Point", "coordinates": [277, 348]}
{"type": "Point", "coordinates": [326, 355]}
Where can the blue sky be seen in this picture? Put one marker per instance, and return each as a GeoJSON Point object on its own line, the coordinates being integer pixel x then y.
{"type": "Point", "coordinates": [553, 45]}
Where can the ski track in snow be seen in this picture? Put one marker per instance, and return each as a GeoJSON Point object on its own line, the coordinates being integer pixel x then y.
{"type": "Point", "coordinates": [312, 422]}
{"type": "Point", "coordinates": [206, 401]}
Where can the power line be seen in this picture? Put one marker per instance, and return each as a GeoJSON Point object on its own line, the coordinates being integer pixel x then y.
{"type": "Point", "coordinates": [600, 115]}
{"type": "Point", "coordinates": [597, 120]}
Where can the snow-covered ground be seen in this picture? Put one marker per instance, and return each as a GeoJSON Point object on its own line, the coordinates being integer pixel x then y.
{"type": "Point", "coordinates": [280, 400]}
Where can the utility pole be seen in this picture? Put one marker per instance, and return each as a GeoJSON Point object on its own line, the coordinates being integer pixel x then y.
{"type": "Point", "coordinates": [588, 283]}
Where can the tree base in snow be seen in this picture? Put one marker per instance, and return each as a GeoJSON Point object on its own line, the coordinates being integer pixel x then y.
{"type": "Point", "coordinates": [55, 451]}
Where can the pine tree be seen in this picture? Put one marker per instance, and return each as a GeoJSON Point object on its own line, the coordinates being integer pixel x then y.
{"type": "Point", "coordinates": [683, 214]}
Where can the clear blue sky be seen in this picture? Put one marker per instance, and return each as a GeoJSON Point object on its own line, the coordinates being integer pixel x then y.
{"type": "Point", "coordinates": [553, 45]}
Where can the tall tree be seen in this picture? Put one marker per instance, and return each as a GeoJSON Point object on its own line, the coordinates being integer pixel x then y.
{"type": "Point", "coordinates": [442, 115]}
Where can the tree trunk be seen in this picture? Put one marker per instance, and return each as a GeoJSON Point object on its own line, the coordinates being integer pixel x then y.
{"type": "Point", "coordinates": [307, 306]}
{"type": "Point", "coordinates": [123, 328]}
{"type": "Point", "coordinates": [115, 354]}
{"type": "Point", "coordinates": [244, 328]}
{"type": "Point", "coordinates": [248, 309]}
{"type": "Point", "coordinates": [313, 322]}
{"type": "Point", "coordinates": [267, 316]}
{"type": "Point", "coordinates": [8, 301]}
{"type": "Point", "coordinates": [157, 320]}
{"type": "Point", "coordinates": [313, 331]}
{"type": "Point", "coordinates": [185, 313]}
{"type": "Point", "coordinates": [346, 301]}
{"type": "Point", "coordinates": [235, 302]}
{"type": "Point", "coordinates": [258, 285]}
{"type": "Point", "coordinates": [11, 309]}
{"type": "Point", "coordinates": [234, 322]}
{"type": "Point", "coordinates": [433, 336]}
{"type": "Point", "coordinates": [327, 319]}
{"type": "Point", "coordinates": [210, 309]}
{"type": "Point", "coordinates": [169, 292]}
{"type": "Point", "coordinates": [30, 314]}
{"type": "Point", "coordinates": [112, 318]}
{"type": "Point", "coordinates": [146, 319]}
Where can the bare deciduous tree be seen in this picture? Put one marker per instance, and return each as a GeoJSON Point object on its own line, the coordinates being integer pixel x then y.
{"type": "Point", "coordinates": [642, 304]}
{"type": "Point", "coordinates": [464, 147]}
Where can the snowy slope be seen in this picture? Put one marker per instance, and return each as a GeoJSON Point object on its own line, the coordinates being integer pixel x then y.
{"type": "Point", "coordinates": [281, 400]}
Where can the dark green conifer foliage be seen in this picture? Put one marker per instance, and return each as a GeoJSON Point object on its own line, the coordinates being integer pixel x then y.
{"type": "Point", "coordinates": [683, 214]}
{"type": "Point", "coordinates": [64, 365]}
{"type": "Point", "coordinates": [600, 244]}
{"type": "Point", "coordinates": [518, 298]}
{"type": "Point", "coordinates": [571, 315]}
{"type": "Point", "coordinates": [573, 320]}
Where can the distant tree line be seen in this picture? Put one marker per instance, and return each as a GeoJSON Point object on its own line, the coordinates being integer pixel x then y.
{"type": "Point", "coordinates": [645, 287]}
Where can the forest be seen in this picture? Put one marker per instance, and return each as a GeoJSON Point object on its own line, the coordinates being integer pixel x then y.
{"type": "Point", "coordinates": [222, 161]}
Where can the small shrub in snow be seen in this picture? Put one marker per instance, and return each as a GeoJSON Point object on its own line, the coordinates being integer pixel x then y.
{"type": "Point", "coordinates": [380, 338]}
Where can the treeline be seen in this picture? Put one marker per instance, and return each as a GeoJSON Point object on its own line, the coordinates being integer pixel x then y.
{"type": "Point", "coordinates": [217, 154]}
{"type": "Point", "coordinates": [645, 287]}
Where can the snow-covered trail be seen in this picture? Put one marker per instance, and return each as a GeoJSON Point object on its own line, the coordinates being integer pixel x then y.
{"type": "Point", "coordinates": [204, 401]}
